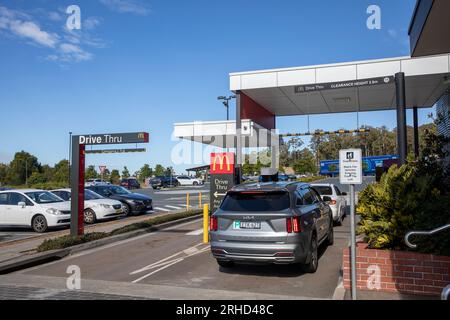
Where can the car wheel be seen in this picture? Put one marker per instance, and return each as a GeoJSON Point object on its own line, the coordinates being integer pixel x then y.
{"type": "Point", "coordinates": [313, 263]}
{"type": "Point", "coordinates": [126, 209]}
{"type": "Point", "coordinates": [195, 183]}
{"type": "Point", "coordinates": [330, 238]}
{"type": "Point", "coordinates": [39, 224]}
{"type": "Point", "coordinates": [154, 188]}
{"type": "Point", "coordinates": [89, 216]}
{"type": "Point", "coordinates": [225, 264]}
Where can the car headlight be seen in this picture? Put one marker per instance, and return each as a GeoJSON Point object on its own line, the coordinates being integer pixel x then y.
{"type": "Point", "coordinates": [53, 211]}
{"type": "Point", "coordinates": [106, 206]}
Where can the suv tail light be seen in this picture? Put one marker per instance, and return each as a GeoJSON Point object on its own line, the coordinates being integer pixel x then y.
{"type": "Point", "coordinates": [333, 202]}
{"type": "Point", "coordinates": [293, 225]}
{"type": "Point", "coordinates": [213, 224]}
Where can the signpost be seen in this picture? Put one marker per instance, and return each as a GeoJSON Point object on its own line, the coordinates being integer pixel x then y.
{"type": "Point", "coordinates": [102, 170]}
{"type": "Point", "coordinates": [350, 172]}
{"type": "Point", "coordinates": [222, 177]}
{"type": "Point", "coordinates": [77, 170]}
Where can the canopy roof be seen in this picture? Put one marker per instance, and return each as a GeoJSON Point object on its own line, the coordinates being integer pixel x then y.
{"type": "Point", "coordinates": [345, 87]}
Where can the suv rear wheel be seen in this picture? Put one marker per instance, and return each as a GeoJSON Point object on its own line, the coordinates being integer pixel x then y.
{"type": "Point", "coordinates": [313, 263]}
{"type": "Point", "coordinates": [225, 264]}
{"type": "Point", "coordinates": [330, 238]}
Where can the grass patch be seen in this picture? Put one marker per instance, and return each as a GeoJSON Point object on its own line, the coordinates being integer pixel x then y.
{"type": "Point", "coordinates": [69, 241]}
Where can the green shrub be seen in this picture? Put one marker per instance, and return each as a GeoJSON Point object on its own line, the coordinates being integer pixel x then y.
{"type": "Point", "coordinates": [412, 197]}
{"type": "Point", "coordinates": [68, 241]}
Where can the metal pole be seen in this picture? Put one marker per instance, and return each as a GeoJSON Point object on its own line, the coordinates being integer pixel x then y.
{"type": "Point", "coordinates": [401, 117]}
{"type": "Point", "coordinates": [416, 132]}
{"type": "Point", "coordinates": [70, 152]}
{"type": "Point", "coordinates": [228, 113]}
{"type": "Point", "coordinates": [353, 240]}
{"type": "Point", "coordinates": [26, 172]}
{"type": "Point", "coordinates": [205, 223]}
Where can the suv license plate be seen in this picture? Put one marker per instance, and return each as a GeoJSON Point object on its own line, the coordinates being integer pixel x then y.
{"type": "Point", "coordinates": [247, 225]}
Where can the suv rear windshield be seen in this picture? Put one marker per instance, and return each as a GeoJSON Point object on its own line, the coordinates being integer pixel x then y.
{"type": "Point", "coordinates": [257, 201]}
{"type": "Point", "coordinates": [324, 190]}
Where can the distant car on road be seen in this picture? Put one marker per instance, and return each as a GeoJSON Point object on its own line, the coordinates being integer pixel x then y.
{"type": "Point", "coordinates": [134, 203]}
{"type": "Point", "coordinates": [38, 209]}
{"type": "Point", "coordinates": [95, 182]}
{"type": "Point", "coordinates": [164, 182]}
{"type": "Point", "coordinates": [189, 181]}
{"type": "Point", "coordinates": [274, 222]}
{"type": "Point", "coordinates": [338, 203]}
{"type": "Point", "coordinates": [96, 207]}
{"type": "Point", "coordinates": [130, 183]}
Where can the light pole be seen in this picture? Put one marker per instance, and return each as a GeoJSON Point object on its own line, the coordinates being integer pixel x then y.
{"type": "Point", "coordinates": [70, 152]}
{"type": "Point", "coordinates": [225, 102]}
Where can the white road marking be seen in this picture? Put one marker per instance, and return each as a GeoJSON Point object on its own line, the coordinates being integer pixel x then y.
{"type": "Point", "coordinates": [161, 209]}
{"type": "Point", "coordinates": [172, 207]}
{"type": "Point", "coordinates": [195, 232]}
{"type": "Point", "coordinates": [166, 262]}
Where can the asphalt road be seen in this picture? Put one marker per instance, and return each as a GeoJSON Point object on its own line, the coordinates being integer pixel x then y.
{"type": "Point", "coordinates": [176, 258]}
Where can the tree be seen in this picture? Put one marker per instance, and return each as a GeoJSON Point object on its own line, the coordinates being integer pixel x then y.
{"type": "Point", "coordinates": [145, 172]}
{"type": "Point", "coordinates": [37, 177]}
{"type": "Point", "coordinates": [3, 173]}
{"type": "Point", "coordinates": [21, 167]}
{"type": "Point", "coordinates": [125, 173]}
{"type": "Point", "coordinates": [305, 162]}
{"type": "Point", "coordinates": [115, 177]}
{"type": "Point", "coordinates": [90, 173]}
{"type": "Point", "coordinates": [169, 171]}
{"type": "Point", "coordinates": [159, 170]}
{"type": "Point", "coordinates": [61, 171]}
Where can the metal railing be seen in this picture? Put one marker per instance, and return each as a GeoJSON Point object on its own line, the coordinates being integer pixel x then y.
{"type": "Point", "coordinates": [446, 291]}
{"type": "Point", "coordinates": [424, 233]}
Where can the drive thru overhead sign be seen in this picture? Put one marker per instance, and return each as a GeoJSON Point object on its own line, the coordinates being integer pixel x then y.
{"type": "Point", "coordinates": [350, 166]}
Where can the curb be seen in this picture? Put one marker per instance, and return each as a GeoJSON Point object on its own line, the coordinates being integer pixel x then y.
{"type": "Point", "coordinates": [339, 292]}
{"type": "Point", "coordinates": [27, 261]}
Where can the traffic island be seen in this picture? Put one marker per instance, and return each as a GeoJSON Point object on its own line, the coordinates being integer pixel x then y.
{"type": "Point", "coordinates": [395, 271]}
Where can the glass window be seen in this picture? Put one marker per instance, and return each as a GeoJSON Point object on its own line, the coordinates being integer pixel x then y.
{"type": "Point", "coordinates": [4, 198]}
{"type": "Point", "coordinates": [43, 197]}
{"type": "Point", "coordinates": [258, 201]}
{"type": "Point", "coordinates": [338, 192]}
{"type": "Point", "coordinates": [324, 190]}
{"type": "Point", "coordinates": [307, 196]}
{"type": "Point", "coordinates": [91, 195]}
{"type": "Point", "coordinates": [299, 200]}
{"type": "Point", "coordinates": [15, 198]}
{"type": "Point", "coordinates": [316, 195]}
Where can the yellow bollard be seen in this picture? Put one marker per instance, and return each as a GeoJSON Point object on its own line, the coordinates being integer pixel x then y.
{"type": "Point", "coordinates": [205, 223]}
{"type": "Point", "coordinates": [199, 199]}
{"type": "Point", "coordinates": [187, 201]}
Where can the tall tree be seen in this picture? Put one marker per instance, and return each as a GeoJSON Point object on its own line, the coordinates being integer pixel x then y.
{"type": "Point", "coordinates": [145, 172]}
{"type": "Point", "coordinates": [90, 173]}
{"type": "Point", "coordinates": [115, 177]}
{"type": "Point", "coordinates": [21, 167]}
{"type": "Point", "coordinates": [125, 173]}
{"type": "Point", "coordinates": [61, 171]}
{"type": "Point", "coordinates": [159, 170]}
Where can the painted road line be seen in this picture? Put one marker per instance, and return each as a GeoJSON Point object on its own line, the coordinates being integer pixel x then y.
{"type": "Point", "coordinates": [172, 207]}
{"type": "Point", "coordinates": [195, 232]}
{"type": "Point", "coordinates": [161, 209]}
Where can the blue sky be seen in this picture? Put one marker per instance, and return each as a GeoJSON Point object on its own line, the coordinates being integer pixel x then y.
{"type": "Point", "coordinates": [143, 65]}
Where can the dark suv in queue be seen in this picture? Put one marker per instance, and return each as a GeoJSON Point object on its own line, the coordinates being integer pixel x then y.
{"type": "Point", "coordinates": [134, 203]}
{"type": "Point", "coordinates": [164, 182]}
{"type": "Point", "coordinates": [130, 183]}
{"type": "Point", "coordinates": [274, 222]}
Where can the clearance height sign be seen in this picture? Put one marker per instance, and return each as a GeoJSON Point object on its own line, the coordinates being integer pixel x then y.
{"type": "Point", "coordinates": [222, 177]}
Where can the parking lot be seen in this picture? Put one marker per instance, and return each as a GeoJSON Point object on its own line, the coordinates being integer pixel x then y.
{"type": "Point", "coordinates": [175, 258]}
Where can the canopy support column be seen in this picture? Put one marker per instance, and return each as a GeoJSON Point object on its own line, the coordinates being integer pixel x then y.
{"type": "Point", "coordinates": [401, 117]}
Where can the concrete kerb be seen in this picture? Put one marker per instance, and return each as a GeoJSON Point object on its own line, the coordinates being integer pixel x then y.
{"type": "Point", "coordinates": [30, 260]}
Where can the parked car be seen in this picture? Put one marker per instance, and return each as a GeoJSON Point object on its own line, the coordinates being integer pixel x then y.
{"type": "Point", "coordinates": [189, 181]}
{"type": "Point", "coordinates": [274, 222]}
{"type": "Point", "coordinates": [338, 203]}
{"type": "Point", "coordinates": [134, 203]}
{"type": "Point", "coordinates": [130, 183]}
{"type": "Point", "coordinates": [38, 209]}
{"type": "Point", "coordinates": [163, 182]}
{"type": "Point", "coordinates": [96, 207]}
{"type": "Point", "coordinates": [95, 182]}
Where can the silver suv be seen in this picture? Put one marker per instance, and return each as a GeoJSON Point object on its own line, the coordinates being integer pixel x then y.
{"type": "Point", "coordinates": [275, 222]}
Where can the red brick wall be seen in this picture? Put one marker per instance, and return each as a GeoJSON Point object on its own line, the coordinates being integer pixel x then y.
{"type": "Point", "coordinates": [397, 271]}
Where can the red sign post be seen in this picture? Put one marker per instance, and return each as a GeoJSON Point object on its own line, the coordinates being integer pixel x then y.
{"type": "Point", "coordinates": [222, 177]}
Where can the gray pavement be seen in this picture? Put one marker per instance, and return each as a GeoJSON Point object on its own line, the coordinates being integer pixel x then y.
{"type": "Point", "coordinates": [177, 263]}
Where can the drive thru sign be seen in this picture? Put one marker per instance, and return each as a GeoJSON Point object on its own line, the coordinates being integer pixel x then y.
{"type": "Point", "coordinates": [350, 172]}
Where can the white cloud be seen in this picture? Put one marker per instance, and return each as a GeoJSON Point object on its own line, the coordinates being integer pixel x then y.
{"type": "Point", "coordinates": [90, 23]}
{"type": "Point", "coordinates": [127, 6]}
{"type": "Point", "coordinates": [393, 33]}
{"type": "Point", "coordinates": [67, 47]}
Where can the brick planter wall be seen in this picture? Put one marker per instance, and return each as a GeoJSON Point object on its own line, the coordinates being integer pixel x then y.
{"type": "Point", "coordinates": [397, 271]}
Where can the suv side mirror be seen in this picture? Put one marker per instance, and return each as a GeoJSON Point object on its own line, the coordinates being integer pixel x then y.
{"type": "Point", "coordinates": [326, 199]}
{"type": "Point", "coordinates": [22, 204]}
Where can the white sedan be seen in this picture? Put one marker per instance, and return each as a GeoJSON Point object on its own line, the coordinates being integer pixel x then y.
{"type": "Point", "coordinates": [35, 208]}
{"type": "Point", "coordinates": [96, 207]}
{"type": "Point", "coordinates": [338, 202]}
{"type": "Point", "coordinates": [189, 181]}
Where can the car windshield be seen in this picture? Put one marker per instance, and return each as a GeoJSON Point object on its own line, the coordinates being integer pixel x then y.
{"type": "Point", "coordinates": [43, 197]}
{"type": "Point", "coordinates": [119, 190]}
{"type": "Point", "coordinates": [91, 195]}
{"type": "Point", "coordinates": [324, 190]}
{"type": "Point", "coordinates": [256, 201]}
